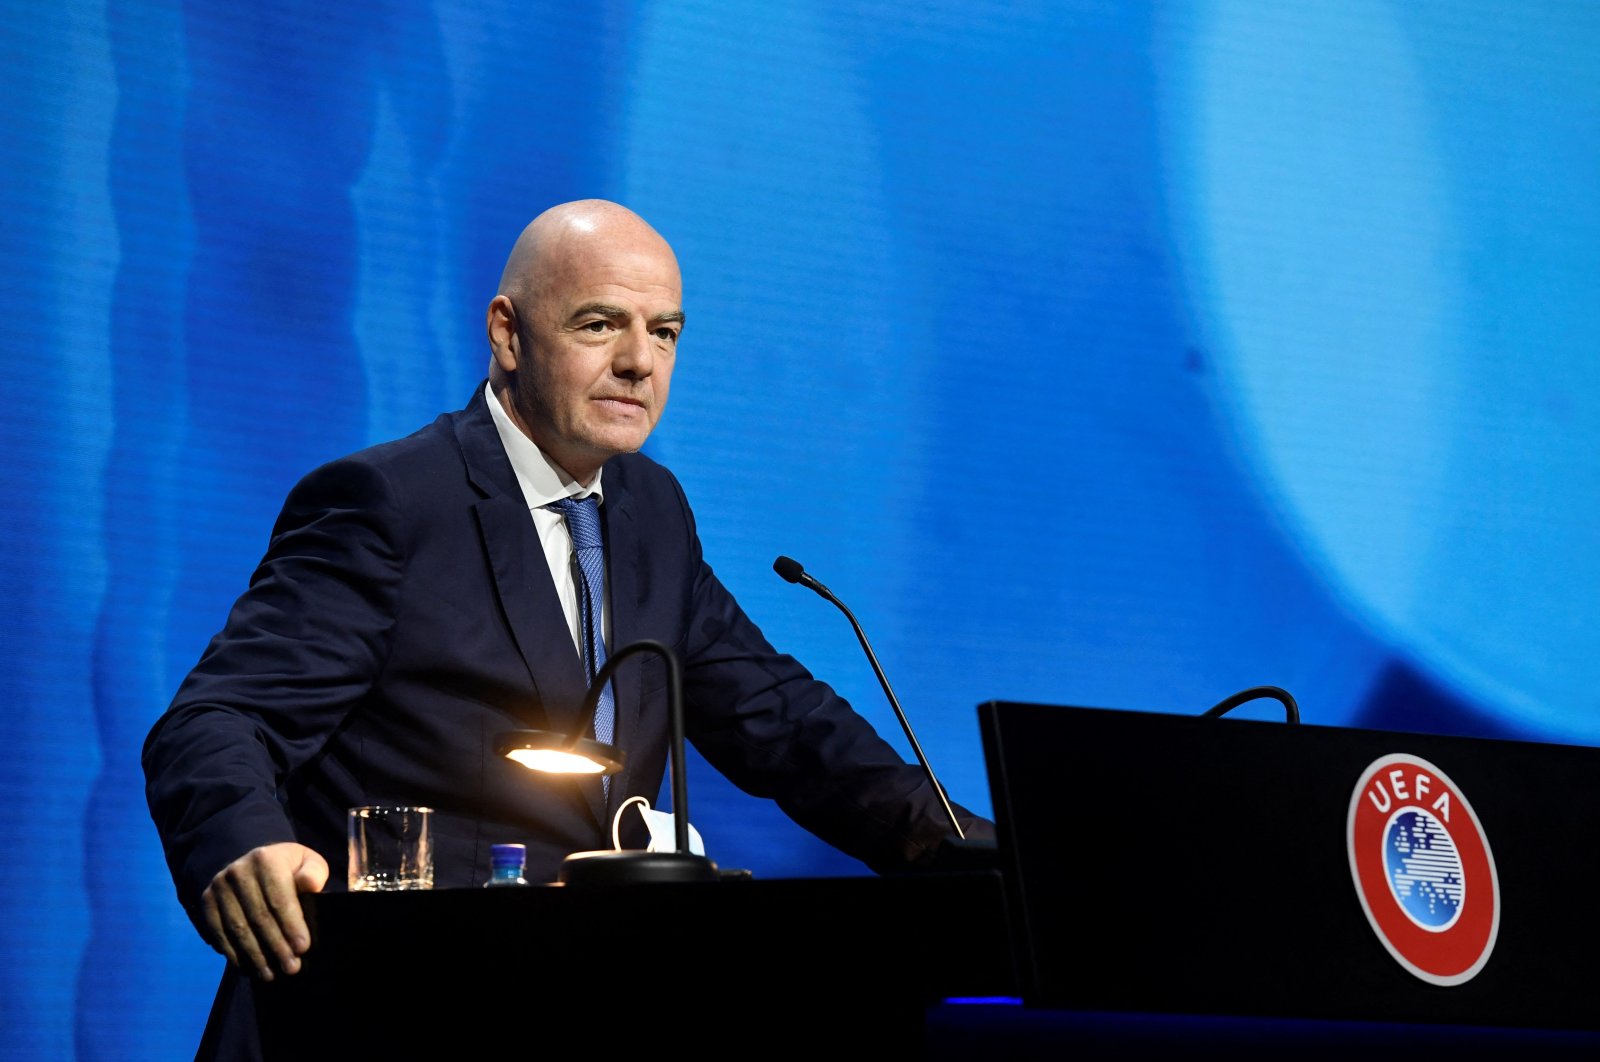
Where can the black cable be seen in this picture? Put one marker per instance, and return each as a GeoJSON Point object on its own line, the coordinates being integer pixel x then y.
{"type": "Point", "coordinates": [1290, 708]}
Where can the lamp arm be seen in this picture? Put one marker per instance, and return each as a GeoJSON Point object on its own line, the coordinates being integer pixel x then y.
{"type": "Point", "coordinates": [591, 701]}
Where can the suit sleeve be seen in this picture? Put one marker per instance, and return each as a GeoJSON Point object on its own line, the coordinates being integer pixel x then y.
{"type": "Point", "coordinates": [300, 648]}
{"type": "Point", "coordinates": [776, 731]}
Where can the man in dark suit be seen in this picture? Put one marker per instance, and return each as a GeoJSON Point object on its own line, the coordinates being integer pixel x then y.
{"type": "Point", "coordinates": [417, 599]}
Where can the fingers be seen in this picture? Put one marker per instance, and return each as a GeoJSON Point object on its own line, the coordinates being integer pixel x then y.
{"type": "Point", "coordinates": [281, 894]}
{"type": "Point", "coordinates": [216, 934]}
{"type": "Point", "coordinates": [234, 910]}
{"type": "Point", "coordinates": [252, 908]}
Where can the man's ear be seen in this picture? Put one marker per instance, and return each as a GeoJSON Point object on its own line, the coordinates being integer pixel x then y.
{"type": "Point", "coordinates": [502, 326]}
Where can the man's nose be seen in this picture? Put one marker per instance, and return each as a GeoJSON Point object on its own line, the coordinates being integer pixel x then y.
{"type": "Point", "coordinates": [635, 356]}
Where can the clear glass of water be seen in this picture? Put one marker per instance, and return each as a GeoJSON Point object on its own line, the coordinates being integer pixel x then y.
{"type": "Point", "coordinates": [391, 848]}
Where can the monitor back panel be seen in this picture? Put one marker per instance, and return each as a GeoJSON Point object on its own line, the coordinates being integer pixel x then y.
{"type": "Point", "coordinates": [1178, 864]}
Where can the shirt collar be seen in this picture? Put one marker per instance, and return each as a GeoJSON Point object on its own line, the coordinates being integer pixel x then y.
{"type": "Point", "coordinates": [541, 479]}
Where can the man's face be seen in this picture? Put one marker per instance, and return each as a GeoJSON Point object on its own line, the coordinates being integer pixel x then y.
{"type": "Point", "coordinates": [596, 341]}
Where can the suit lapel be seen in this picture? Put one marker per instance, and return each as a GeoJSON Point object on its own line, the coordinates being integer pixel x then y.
{"type": "Point", "coordinates": [622, 575]}
{"type": "Point", "coordinates": [522, 581]}
{"type": "Point", "coordinates": [532, 610]}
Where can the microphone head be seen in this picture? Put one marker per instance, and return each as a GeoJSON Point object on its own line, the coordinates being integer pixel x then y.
{"type": "Point", "coordinates": [788, 568]}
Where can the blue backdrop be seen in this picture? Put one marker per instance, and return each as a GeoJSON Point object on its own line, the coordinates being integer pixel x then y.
{"type": "Point", "coordinates": [1094, 353]}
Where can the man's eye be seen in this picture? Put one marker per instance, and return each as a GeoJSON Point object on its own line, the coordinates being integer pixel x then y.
{"type": "Point", "coordinates": [597, 326]}
{"type": "Point", "coordinates": [670, 335]}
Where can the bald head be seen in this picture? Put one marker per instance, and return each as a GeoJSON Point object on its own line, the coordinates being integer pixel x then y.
{"type": "Point", "coordinates": [583, 229]}
{"type": "Point", "coordinates": [583, 332]}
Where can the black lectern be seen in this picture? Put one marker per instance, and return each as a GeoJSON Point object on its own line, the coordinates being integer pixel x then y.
{"type": "Point", "coordinates": [754, 968]}
{"type": "Point", "coordinates": [1169, 864]}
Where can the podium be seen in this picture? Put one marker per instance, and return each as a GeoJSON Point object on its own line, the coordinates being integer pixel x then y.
{"type": "Point", "coordinates": [1164, 867]}
{"type": "Point", "coordinates": [1167, 884]}
{"type": "Point", "coordinates": [754, 968]}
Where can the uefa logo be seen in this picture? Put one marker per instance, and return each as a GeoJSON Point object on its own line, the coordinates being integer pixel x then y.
{"type": "Point", "coordinates": [1423, 869]}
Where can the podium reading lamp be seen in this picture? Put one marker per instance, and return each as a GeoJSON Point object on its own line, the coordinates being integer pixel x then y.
{"type": "Point", "coordinates": [555, 753]}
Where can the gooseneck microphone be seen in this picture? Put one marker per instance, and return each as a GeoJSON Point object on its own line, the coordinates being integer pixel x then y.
{"type": "Point", "coordinates": [792, 572]}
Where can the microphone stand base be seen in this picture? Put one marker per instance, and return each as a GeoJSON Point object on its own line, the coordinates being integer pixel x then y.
{"type": "Point", "coordinates": [969, 853]}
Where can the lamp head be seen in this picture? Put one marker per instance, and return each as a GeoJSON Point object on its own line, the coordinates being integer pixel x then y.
{"type": "Point", "coordinates": [552, 753]}
{"type": "Point", "coordinates": [542, 750]}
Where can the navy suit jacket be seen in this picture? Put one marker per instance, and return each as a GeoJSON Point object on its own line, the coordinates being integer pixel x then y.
{"type": "Point", "coordinates": [404, 616]}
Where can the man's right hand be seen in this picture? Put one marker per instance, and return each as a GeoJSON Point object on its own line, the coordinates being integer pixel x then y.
{"type": "Point", "coordinates": [252, 907]}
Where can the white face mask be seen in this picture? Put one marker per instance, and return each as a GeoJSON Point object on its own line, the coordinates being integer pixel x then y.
{"type": "Point", "coordinates": [662, 826]}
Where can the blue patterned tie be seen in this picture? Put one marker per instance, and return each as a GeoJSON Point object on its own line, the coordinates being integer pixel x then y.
{"type": "Point", "coordinates": [583, 522]}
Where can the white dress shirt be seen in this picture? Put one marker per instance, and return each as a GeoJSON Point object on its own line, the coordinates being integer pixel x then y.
{"type": "Point", "coordinates": [543, 482]}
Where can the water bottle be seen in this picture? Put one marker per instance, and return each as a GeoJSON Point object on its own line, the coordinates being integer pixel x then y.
{"type": "Point", "coordinates": [507, 861]}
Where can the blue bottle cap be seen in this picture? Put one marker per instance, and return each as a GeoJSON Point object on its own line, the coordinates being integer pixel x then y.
{"type": "Point", "coordinates": [508, 855]}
